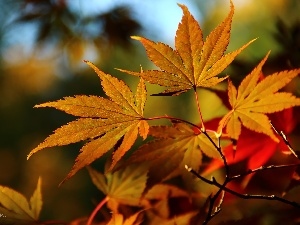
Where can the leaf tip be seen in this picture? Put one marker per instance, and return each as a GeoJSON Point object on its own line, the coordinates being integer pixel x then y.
{"type": "Point", "coordinates": [29, 155]}
{"type": "Point", "coordinates": [231, 5]}
{"type": "Point", "coordinates": [136, 38]}
{"type": "Point", "coordinates": [65, 179]}
{"type": "Point", "coordinates": [182, 6]}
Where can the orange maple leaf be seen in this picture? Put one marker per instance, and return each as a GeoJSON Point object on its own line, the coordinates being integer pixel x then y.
{"type": "Point", "coordinates": [253, 99]}
{"type": "Point", "coordinates": [194, 63]}
{"type": "Point", "coordinates": [104, 121]}
{"type": "Point", "coordinates": [173, 147]}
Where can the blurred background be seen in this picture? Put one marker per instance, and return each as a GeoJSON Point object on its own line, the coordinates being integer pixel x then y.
{"type": "Point", "coordinates": [42, 47]}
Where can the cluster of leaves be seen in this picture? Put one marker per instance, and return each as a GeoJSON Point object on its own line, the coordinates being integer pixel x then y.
{"type": "Point", "coordinates": [172, 164]}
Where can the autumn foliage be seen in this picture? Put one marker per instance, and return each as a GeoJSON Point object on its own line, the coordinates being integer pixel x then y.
{"type": "Point", "coordinates": [182, 173]}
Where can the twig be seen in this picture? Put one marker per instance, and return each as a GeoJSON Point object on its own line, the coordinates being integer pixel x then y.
{"type": "Point", "coordinates": [212, 213]}
{"type": "Point", "coordinates": [243, 196]}
{"type": "Point", "coordinates": [261, 169]}
{"type": "Point", "coordinates": [174, 119]}
{"type": "Point", "coordinates": [284, 138]}
{"type": "Point", "coordinates": [218, 148]}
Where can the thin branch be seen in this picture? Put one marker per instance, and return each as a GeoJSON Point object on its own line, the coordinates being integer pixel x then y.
{"type": "Point", "coordinates": [183, 121]}
{"type": "Point", "coordinates": [243, 196]}
{"type": "Point", "coordinates": [284, 138]}
{"type": "Point", "coordinates": [218, 208]}
{"type": "Point", "coordinates": [213, 211]}
{"type": "Point", "coordinates": [175, 119]}
{"type": "Point", "coordinates": [218, 148]}
{"type": "Point", "coordinates": [261, 169]}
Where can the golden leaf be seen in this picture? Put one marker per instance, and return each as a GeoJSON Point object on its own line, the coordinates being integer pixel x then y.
{"type": "Point", "coordinates": [194, 63]}
{"type": "Point", "coordinates": [253, 99]}
{"type": "Point", "coordinates": [122, 186]}
{"type": "Point", "coordinates": [103, 121]}
{"type": "Point", "coordinates": [15, 209]}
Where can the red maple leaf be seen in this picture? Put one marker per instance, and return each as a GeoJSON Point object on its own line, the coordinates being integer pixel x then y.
{"type": "Point", "coordinates": [256, 148]}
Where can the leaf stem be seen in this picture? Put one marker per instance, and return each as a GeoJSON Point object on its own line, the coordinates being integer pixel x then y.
{"type": "Point", "coordinates": [243, 196]}
{"type": "Point", "coordinates": [199, 110]}
{"type": "Point", "coordinates": [263, 168]}
{"type": "Point", "coordinates": [175, 119]}
{"type": "Point", "coordinates": [285, 140]}
{"type": "Point", "coordinates": [218, 148]}
{"type": "Point", "coordinates": [98, 207]}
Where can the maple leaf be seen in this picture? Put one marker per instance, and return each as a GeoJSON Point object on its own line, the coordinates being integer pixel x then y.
{"type": "Point", "coordinates": [118, 219]}
{"type": "Point", "coordinates": [252, 100]}
{"type": "Point", "coordinates": [256, 148]}
{"type": "Point", "coordinates": [104, 121]}
{"type": "Point", "coordinates": [122, 186]}
{"type": "Point", "coordinates": [160, 199]}
{"type": "Point", "coordinates": [15, 209]}
{"type": "Point", "coordinates": [164, 191]}
{"type": "Point", "coordinates": [194, 63]}
{"type": "Point", "coordinates": [173, 147]}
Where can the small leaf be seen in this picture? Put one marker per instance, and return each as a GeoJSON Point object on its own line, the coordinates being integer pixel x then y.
{"type": "Point", "coordinates": [253, 100]}
{"type": "Point", "coordinates": [123, 186]}
{"type": "Point", "coordinates": [194, 63]}
{"type": "Point", "coordinates": [15, 209]}
{"type": "Point", "coordinates": [103, 121]}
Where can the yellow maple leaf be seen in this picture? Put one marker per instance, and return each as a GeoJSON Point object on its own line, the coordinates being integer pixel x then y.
{"type": "Point", "coordinates": [194, 63]}
{"type": "Point", "coordinates": [16, 209]}
{"type": "Point", "coordinates": [122, 186]}
{"type": "Point", "coordinates": [103, 121]}
{"type": "Point", "coordinates": [253, 99]}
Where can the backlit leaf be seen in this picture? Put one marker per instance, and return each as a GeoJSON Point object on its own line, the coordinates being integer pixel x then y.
{"type": "Point", "coordinates": [173, 147]}
{"type": "Point", "coordinates": [103, 121]}
{"type": "Point", "coordinates": [195, 62]}
{"type": "Point", "coordinates": [256, 148]}
{"type": "Point", "coordinates": [122, 186]}
{"type": "Point", "coordinates": [15, 209]}
{"type": "Point", "coordinates": [253, 100]}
